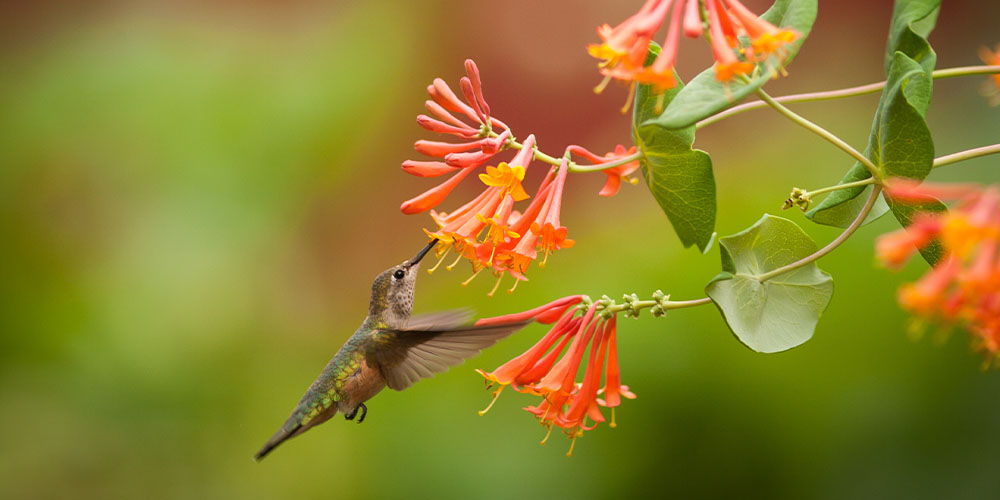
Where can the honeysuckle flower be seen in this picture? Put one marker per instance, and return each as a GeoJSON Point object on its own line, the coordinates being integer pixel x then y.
{"type": "Point", "coordinates": [489, 233]}
{"type": "Point", "coordinates": [482, 135]}
{"type": "Point", "coordinates": [623, 49]}
{"type": "Point", "coordinates": [992, 87]}
{"type": "Point", "coordinates": [963, 288]}
{"type": "Point", "coordinates": [507, 178]}
{"type": "Point", "coordinates": [543, 228]}
{"type": "Point", "coordinates": [434, 196]}
{"type": "Point", "coordinates": [552, 235]}
{"type": "Point", "coordinates": [615, 174]}
{"type": "Point", "coordinates": [550, 368]}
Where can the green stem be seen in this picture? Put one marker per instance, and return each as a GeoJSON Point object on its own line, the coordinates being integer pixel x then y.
{"type": "Point", "coordinates": [966, 155]}
{"type": "Point", "coordinates": [538, 154]}
{"type": "Point", "coordinates": [680, 304]}
{"type": "Point", "coordinates": [664, 304]}
{"type": "Point", "coordinates": [841, 93]}
{"type": "Point", "coordinates": [573, 166]}
{"type": "Point", "coordinates": [858, 221]}
{"type": "Point", "coordinates": [820, 131]}
{"type": "Point", "coordinates": [865, 182]}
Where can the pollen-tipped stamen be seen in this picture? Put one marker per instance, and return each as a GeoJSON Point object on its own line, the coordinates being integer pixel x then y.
{"type": "Point", "coordinates": [516, 281]}
{"type": "Point", "coordinates": [496, 394]}
{"type": "Point", "coordinates": [572, 444]}
{"type": "Point", "coordinates": [603, 85]}
{"type": "Point", "coordinates": [547, 434]}
{"type": "Point", "coordinates": [612, 424]}
{"type": "Point", "coordinates": [660, 99]}
{"type": "Point", "coordinates": [495, 287]}
{"type": "Point", "coordinates": [443, 255]}
{"type": "Point", "coordinates": [466, 282]}
{"type": "Point", "coordinates": [453, 264]}
{"type": "Point", "coordinates": [628, 99]}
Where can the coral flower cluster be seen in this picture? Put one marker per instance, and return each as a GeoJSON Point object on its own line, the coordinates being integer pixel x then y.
{"type": "Point", "coordinates": [580, 337]}
{"type": "Point", "coordinates": [490, 234]}
{"type": "Point", "coordinates": [963, 288]}
{"type": "Point", "coordinates": [488, 231]}
{"type": "Point", "coordinates": [479, 142]}
{"type": "Point", "coordinates": [624, 47]}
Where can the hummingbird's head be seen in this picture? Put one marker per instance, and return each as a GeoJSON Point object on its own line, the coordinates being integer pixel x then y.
{"type": "Point", "coordinates": [392, 292]}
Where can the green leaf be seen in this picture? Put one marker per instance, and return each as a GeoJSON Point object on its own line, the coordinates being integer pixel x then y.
{"type": "Point", "coordinates": [905, 213]}
{"type": "Point", "coordinates": [780, 313]}
{"type": "Point", "coordinates": [899, 144]}
{"type": "Point", "coordinates": [912, 22]}
{"type": "Point", "coordinates": [679, 177]}
{"type": "Point", "coordinates": [841, 207]}
{"type": "Point", "coordinates": [704, 96]}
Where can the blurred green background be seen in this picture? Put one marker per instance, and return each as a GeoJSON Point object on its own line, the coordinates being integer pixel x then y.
{"type": "Point", "coordinates": [194, 199]}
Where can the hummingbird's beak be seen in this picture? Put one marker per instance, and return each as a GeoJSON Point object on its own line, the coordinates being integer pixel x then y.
{"type": "Point", "coordinates": [421, 253]}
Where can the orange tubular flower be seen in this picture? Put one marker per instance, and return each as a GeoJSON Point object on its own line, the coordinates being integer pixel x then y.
{"type": "Point", "coordinates": [615, 174]}
{"type": "Point", "coordinates": [992, 87]}
{"type": "Point", "coordinates": [552, 234]}
{"type": "Point", "coordinates": [506, 234]}
{"type": "Point", "coordinates": [482, 139]}
{"type": "Point", "coordinates": [964, 287]}
{"type": "Point", "coordinates": [624, 47]}
{"type": "Point", "coordinates": [550, 368]}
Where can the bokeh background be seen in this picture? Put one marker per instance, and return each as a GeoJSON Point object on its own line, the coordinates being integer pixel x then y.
{"type": "Point", "coordinates": [194, 198]}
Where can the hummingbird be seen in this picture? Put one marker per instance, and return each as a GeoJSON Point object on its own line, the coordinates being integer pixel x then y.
{"type": "Point", "coordinates": [389, 349]}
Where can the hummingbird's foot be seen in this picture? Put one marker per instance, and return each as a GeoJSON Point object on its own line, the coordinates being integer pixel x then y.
{"type": "Point", "coordinates": [354, 413]}
{"type": "Point", "coordinates": [364, 412]}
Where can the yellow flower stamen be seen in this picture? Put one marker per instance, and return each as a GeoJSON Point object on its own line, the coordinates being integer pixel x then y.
{"type": "Point", "coordinates": [603, 85]}
{"type": "Point", "coordinates": [572, 443]}
{"type": "Point", "coordinates": [547, 434]}
{"type": "Point", "coordinates": [453, 264]}
{"type": "Point", "coordinates": [516, 281]}
{"type": "Point", "coordinates": [466, 282]}
{"type": "Point", "coordinates": [443, 255]}
{"type": "Point", "coordinates": [495, 287]}
{"type": "Point", "coordinates": [496, 394]}
{"type": "Point", "coordinates": [612, 424]}
{"type": "Point", "coordinates": [660, 99]}
{"type": "Point", "coordinates": [631, 94]}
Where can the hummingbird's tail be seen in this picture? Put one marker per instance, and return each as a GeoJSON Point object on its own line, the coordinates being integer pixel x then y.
{"type": "Point", "coordinates": [287, 431]}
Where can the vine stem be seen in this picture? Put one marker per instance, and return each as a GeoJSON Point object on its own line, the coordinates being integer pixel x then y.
{"type": "Point", "coordinates": [604, 166]}
{"type": "Point", "coordinates": [573, 166]}
{"type": "Point", "coordinates": [665, 304]}
{"type": "Point", "coordinates": [870, 88]}
{"type": "Point", "coordinates": [820, 131]}
{"type": "Point", "coordinates": [966, 155]}
{"type": "Point", "coordinates": [863, 182]}
{"type": "Point", "coordinates": [858, 221]}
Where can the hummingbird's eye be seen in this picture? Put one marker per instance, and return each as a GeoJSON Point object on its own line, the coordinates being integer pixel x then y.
{"type": "Point", "coordinates": [399, 274]}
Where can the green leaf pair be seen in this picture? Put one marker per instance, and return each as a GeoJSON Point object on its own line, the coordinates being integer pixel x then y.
{"type": "Point", "coordinates": [770, 315]}
{"type": "Point", "coordinates": [779, 313]}
{"type": "Point", "coordinates": [900, 143]}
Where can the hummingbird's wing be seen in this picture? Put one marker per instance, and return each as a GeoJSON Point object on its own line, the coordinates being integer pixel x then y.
{"type": "Point", "coordinates": [424, 348]}
{"type": "Point", "coordinates": [444, 320]}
